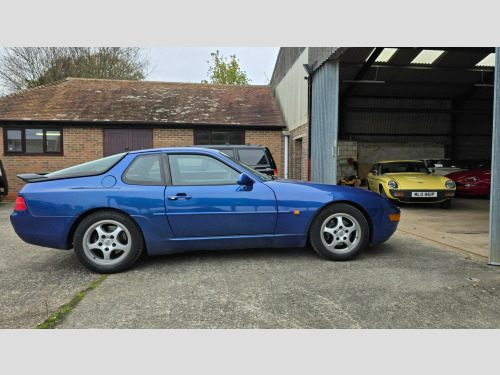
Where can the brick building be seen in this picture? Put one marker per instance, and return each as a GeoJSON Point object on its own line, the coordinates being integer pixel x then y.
{"type": "Point", "coordinates": [77, 120]}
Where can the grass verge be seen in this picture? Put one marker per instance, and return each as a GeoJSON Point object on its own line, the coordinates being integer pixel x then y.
{"type": "Point", "coordinates": [65, 309]}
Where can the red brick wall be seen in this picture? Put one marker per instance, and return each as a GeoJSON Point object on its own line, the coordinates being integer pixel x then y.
{"type": "Point", "coordinates": [80, 145]}
{"type": "Point", "coordinates": [172, 137]}
{"type": "Point", "coordinates": [271, 139]}
{"type": "Point", "coordinates": [298, 144]}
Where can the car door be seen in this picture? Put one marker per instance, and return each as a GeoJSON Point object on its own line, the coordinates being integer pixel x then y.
{"type": "Point", "coordinates": [203, 199]}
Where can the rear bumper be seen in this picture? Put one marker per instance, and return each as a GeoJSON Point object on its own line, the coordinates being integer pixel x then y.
{"type": "Point", "coordinates": [42, 231]}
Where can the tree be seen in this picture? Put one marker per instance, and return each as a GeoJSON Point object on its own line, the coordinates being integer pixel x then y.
{"type": "Point", "coordinates": [224, 72]}
{"type": "Point", "coordinates": [27, 67]}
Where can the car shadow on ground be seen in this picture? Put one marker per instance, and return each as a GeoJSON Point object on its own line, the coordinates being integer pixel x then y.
{"type": "Point", "coordinates": [306, 253]}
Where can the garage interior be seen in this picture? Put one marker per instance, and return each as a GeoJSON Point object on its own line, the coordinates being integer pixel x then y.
{"type": "Point", "coordinates": [406, 103]}
{"type": "Point", "coordinates": [418, 98]}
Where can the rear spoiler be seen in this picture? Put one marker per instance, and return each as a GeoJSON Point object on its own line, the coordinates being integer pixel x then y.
{"type": "Point", "coordinates": [32, 177]}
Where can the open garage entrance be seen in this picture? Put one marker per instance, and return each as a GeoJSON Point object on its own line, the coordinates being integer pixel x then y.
{"type": "Point", "coordinates": [402, 103]}
{"type": "Point", "coordinates": [417, 103]}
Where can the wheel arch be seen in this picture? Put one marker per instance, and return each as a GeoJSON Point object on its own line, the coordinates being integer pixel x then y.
{"type": "Point", "coordinates": [350, 203]}
{"type": "Point", "coordinates": [84, 215]}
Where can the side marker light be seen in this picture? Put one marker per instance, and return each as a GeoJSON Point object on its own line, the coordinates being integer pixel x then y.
{"type": "Point", "coordinates": [394, 217]}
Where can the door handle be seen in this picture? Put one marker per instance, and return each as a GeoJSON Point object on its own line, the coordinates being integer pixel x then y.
{"type": "Point", "coordinates": [179, 196]}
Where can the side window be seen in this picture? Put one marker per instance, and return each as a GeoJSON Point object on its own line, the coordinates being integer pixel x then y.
{"type": "Point", "coordinates": [375, 169]}
{"type": "Point", "coordinates": [197, 170]}
{"type": "Point", "coordinates": [253, 157]}
{"type": "Point", "coordinates": [144, 170]}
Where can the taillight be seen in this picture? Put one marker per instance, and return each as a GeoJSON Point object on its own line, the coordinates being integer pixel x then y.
{"type": "Point", "coordinates": [275, 172]}
{"type": "Point", "coordinates": [20, 204]}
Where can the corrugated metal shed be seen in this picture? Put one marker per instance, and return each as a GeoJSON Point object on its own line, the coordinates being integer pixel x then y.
{"type": "Point", "coordinates": [324, 123]}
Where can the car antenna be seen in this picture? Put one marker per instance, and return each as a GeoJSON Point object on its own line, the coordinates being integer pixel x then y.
{"type": "Point", "coordinates": [138, 144]}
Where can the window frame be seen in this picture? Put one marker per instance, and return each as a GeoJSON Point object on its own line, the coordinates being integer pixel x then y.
{"type": "Point", "coordinates": [45, 129]}
{"type": "Point", "coordinates": [228, 136]}
{"type": "Point", "coordinates": [171, 179]}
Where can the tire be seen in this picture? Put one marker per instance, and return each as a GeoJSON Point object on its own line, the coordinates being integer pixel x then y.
{"type": "Point", "coordinates": [344, 221]}
{"type": "Point", "coordinates": [445, 204]}
{"type": "Point", "coordinates": [108, 242]}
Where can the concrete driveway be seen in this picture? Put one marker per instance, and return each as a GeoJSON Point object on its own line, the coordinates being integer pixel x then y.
{"type": "Point", "coordinates": [407, 282]}
{"type": "Point", "coordinates": [34, 281]}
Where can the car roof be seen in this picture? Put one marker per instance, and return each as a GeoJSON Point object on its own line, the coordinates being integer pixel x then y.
{"type": "Point", "coordinates": [228, 146]}
{"type": "Point", "coordinates": [176, 149]}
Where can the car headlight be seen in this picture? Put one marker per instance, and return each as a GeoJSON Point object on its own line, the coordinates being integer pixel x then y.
{"type": "Point", "coordinates": [449, 184]}
{"type": "Point", "coordinates": [392, 184]}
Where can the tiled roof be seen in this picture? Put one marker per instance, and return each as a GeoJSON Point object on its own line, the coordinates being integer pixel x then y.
{"type": "Point", "coordinates": [96, 100]}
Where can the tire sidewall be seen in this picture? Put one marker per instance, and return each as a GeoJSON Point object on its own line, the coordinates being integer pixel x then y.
{"type": "Point", "coordinates": [135, 238]}
{"type": "Point", "coordinates": [315, 232]}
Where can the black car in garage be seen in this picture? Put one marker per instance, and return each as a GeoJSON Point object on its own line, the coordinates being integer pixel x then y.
{"type": "Point", "coordinates": [257, 157]}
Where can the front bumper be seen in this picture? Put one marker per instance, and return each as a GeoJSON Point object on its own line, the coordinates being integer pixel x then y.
{"type": "Point", "coordinates": [406, 196]}
{"type": "Point", "coordinates": [471, 188]}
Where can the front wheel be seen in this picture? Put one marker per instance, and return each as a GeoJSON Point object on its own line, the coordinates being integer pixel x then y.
{"type": "Point", "coordinates": [339, 232]}
{"type": "Point", "coordinates": [108, 242]}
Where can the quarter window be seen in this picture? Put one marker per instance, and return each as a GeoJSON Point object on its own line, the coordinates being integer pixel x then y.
{"type": "Point", "coordinates": [144, 170]}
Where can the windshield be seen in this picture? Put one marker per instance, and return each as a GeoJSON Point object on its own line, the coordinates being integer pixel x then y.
{"type": "Point", "coordinates": [404, 167]}
{"type": "Point", "coordinates": [440, 163]}
{"type": "Point", "coordinates": [92, 167]}
{"type": "Point", "coordinates": [251, 170]}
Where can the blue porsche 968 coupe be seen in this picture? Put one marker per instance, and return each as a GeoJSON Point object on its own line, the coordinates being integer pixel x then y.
{"type": "Point", "coordinates": [170, 200]}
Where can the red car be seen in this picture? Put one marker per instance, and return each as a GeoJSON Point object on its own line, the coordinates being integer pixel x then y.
{"type": "Point", "coordinates": [473, 181]}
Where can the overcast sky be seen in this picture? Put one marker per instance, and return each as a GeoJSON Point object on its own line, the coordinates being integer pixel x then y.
{"type": "Point", "coordinates": [189, 64]}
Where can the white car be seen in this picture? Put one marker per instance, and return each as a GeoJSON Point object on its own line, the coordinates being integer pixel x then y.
{"type": "Point", "coordinates": [441, 166]}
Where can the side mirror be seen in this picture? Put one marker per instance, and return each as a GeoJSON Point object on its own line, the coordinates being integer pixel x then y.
{"type": "Point", "coordinates": [375, 172]}
{"type": "Point", "coordinates": [245, 181]}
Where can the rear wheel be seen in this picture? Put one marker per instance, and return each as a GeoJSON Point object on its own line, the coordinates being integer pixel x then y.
{"type": "Point", "coordinates": [339, 232]}
{"type": "Point", "coordinates": [108, 242]}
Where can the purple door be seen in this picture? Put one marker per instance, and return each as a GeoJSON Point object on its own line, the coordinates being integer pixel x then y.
{"type": "Point", "coordinates": [122, 140]}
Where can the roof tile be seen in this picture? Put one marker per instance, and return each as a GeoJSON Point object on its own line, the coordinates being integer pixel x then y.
{"type": "Point", "coordinates": [96, 100]}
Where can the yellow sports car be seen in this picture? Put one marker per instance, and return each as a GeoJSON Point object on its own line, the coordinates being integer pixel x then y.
{"type": "Point", "coordinates": [410, 181]}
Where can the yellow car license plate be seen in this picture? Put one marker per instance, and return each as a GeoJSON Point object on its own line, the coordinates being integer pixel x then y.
{"type": "Point", "coordinates": [424, 194]}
